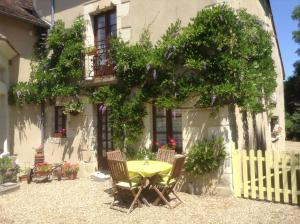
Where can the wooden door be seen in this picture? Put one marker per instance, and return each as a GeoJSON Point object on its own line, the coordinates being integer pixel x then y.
{"type": "Point", "coordinates": [104, 136]}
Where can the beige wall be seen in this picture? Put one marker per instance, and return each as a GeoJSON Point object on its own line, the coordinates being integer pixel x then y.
{"type": "Point", "coordinates": [24, 131]}
{"type": "Point", "coordinates": [21, 36]}
{"type": "Point", "coordinates": [79, 145]}
{"type": "Point", "coordinates": [66, 10]}
{"type": "Point", "coordinates": [4, 79]}
{"type": "Point", "coordinates": [133, 16]}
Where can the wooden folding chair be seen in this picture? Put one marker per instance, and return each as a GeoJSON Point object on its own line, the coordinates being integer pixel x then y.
{"type": "Point", "coordinates": [168, 182]}
{"type": "Point", "coordinates": [122, 181]}
{"type": "Point", "coordinates": [115, 155]}
{"type": "Point", "coordinates": [165, 155]}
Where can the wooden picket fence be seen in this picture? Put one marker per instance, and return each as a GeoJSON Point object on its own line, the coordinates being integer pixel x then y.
{"type": "Point", "coordinates": [266, 175]}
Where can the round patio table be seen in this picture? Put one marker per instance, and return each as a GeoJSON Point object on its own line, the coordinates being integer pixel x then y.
{"type": "Point", "coordinates": [148, 170]}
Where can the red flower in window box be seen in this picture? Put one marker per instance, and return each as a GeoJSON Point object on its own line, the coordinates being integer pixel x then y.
{"type": "Point", "coordinates": [172, 142]}
{"type": "Point", "coordinates": [170, 146]}
{"type": "Point", "coordinates": [60, 134]}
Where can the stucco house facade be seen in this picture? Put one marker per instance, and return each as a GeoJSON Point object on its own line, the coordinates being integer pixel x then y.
{"type": "Point", "coordinates": [18, 25]}
{"type": "Point", "coordinates": [88, 136]}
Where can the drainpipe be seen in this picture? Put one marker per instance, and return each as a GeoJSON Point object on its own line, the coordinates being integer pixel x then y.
{"type": "Point", "coordinates": [52, 12]}
{"type": "Point", "coordinates": [42, 108]}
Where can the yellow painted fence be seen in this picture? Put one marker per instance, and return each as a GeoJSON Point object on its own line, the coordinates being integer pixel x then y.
{"type": "Point", "coordinates": [266, 175]}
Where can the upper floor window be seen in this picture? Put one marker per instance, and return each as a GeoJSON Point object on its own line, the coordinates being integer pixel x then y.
{"type": "Point", "coordinates": [105, 28]}
{"type": "Point", "coordinates": [167, 124]}
{"type": "Point", "coordinates": [60, 121]}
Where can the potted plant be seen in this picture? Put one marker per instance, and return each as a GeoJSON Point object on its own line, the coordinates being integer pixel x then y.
{"type": "Point", "coordinates": [202, 165]}
{"type": "Point", "coordinates": [73, 108]}
{"type": "Point", "coordinates": [43, 169]}
{"type": "Point", "coordinates": [70, 170]}
{"type": "Point", "coordinates": [23, 174]}
{"type": "Point", "coordinates": [8, 170]}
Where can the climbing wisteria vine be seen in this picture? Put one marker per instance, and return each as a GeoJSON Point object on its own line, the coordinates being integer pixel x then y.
{"type": "Point", "coordinates": [222, 57]}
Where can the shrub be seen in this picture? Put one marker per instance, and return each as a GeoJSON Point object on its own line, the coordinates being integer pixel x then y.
{"type": "Point", "coordinates": [206, 156]}
{"type": "Point", "coordinates": [8, 170]}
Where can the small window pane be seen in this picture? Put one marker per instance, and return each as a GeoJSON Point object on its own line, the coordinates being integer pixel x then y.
{"type": "Point", "coordinates": [177, 124]}
{"type": "Point", "coordinates": [113, 18]}
{"type": "Point", "coordinates": [161, 138]}
{"type": "Point", "coordinates": [178, 138]}
{"type": "Point", "coordinates": [160, 113]}
{"type": "Point", "coordinates": [101, 35]}
{"type": "Point", "coordinates": [59, 119]}
{"type": "Point", "coordinates": [113, 31]}
{"type": "Point", "coordinates": [161, 124]}
{"type": "Point", "coordinates": [101, 21]}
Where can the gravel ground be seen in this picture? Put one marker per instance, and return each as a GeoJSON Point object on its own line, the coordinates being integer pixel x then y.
{"type": "Point", "coordinates": [85, 201]}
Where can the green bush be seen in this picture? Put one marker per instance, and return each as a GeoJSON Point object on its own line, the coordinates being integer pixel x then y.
{"type": "Point", "coordinates": [8, 170]}
{"type": "Point", "coordinates": [133, 154]}
{"type": "Point", "coordinates": [206, 156]}
{"type": "Point", "coordinates": [292, 126]}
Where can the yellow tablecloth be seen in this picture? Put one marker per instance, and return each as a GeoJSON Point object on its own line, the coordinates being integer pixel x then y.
{"type": "Point", "coordinates": [154, 167]}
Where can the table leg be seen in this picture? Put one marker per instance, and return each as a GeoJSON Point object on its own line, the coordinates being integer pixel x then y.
{"type": "Point", "coordinates": [144, 185]}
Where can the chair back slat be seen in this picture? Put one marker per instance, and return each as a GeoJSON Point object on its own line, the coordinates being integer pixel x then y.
{"type": "Point", "coordinates": [119, 171]}
{"type": "Point", "coordinates": [165, 155]}
{"type": "Point", "coordinates": [115, 155]}
{"type": "Point", "coordinates": [177, 167]}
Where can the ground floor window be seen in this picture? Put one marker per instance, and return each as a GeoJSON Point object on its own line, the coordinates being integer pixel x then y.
{"type": "Point", "coordinates": [167, 124]}
{"type": "Point", "coordinates": [60, 121]}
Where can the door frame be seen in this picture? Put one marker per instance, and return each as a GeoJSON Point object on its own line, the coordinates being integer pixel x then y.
{"type": "Point", "coordinates": [101, 156]}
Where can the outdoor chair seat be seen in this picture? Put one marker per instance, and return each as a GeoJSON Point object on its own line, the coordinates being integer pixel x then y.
{"type": "Point", "coordinates": [167, 183]}
{"type": "Point", "coordinates": [127, 185]}
{"type": "Point", "coordinates": [122, 181]}
{"type": "Point", "coordinates": [165, 180]}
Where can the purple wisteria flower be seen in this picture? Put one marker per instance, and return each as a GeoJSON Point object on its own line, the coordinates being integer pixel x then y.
{"type": "Point", "coordinates": [154, 75]}
{"type": "Point", "coordinates": [19, 93]}
{"type": "Point", "coordinates": [173, 114]}
{"type": "Point", "coordinates": [221, 17]}
{"type": "Point", "coordinates": [213, 99]}
{"type": "Point", "coordinates": [100, 108]}
{"type": "Point", "coordinates": [169, 55]}
{"type": "Point", "coordinates": [103, 109]}
{"type": "Point", "coordinates": [148, 66]}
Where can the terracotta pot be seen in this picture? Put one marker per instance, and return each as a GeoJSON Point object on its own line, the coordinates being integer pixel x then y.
{"type": "Point", "coordinates": [23, 178]}
{"type": "Point", "coordinates": [41, 173]}
{"type": "Point", "coordinates": [72, 176]}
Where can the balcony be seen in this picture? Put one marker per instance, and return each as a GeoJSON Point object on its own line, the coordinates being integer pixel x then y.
{"type": "Point", "coordinates": [97, 69]}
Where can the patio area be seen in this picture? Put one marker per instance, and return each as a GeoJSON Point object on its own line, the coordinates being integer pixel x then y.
{"type": "Point", "coordinates": [86, 201]}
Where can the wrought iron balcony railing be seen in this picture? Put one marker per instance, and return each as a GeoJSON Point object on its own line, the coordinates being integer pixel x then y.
{"type": "Point", "coordinates": [96, 64]}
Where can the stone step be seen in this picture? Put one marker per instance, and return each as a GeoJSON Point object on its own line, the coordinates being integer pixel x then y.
{"type": "Point", "coordinates": [8, 187]}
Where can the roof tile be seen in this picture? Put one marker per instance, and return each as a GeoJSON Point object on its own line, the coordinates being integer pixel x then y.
{"type": "Point", "coordinates": [21, 9]}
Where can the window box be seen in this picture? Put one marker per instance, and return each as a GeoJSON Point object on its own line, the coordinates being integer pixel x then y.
{"type": "Point", "coordinates": [58, 135]}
